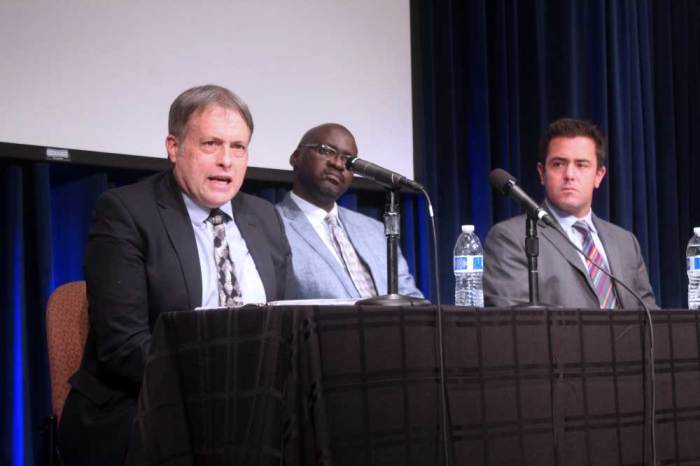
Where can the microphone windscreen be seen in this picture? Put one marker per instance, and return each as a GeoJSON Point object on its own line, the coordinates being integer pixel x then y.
{"type": "Point", "coordinates": [501, 180]}
{"type": "Point", "coordinates": [350, 162]}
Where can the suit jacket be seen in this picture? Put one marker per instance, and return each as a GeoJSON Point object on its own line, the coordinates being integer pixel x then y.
{"type": "Point", "coordinates": [317, 271]}
{"type": "Point", "coordinates": [563, 279]}
{"type": "Point", "coordinates": [141, 260]}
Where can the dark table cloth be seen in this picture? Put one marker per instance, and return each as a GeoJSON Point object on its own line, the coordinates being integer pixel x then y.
{"type": "Point", "coordinates": [360, 385]}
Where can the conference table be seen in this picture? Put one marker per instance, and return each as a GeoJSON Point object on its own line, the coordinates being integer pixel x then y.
{"type": "Point", "coordinates": [361, 385]}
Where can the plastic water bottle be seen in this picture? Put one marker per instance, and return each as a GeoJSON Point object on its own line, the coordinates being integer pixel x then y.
{"type": "Point", "coordinates": [692, 254]}
{"type": "Point", "coordinates": [469, 268]}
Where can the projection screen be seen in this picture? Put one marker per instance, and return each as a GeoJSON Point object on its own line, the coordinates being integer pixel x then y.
{"type": "Point", "coordinates": [100, 75]}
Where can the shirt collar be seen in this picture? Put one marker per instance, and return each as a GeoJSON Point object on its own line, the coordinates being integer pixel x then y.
{"type": "Point", "coordinates": [567, 220]}
{"type": "Point", "coordinates": [198, 214]}
{"type": "Point", "coordinates": [314, 213]}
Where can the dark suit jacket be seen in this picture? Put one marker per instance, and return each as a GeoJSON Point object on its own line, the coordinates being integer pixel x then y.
{"type": "Point", "coordinates": [563, 279]}
{"type": "Point", "coordinates": [141, 260]}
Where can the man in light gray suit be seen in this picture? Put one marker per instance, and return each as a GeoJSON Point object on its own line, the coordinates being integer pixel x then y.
{"type": "Point", "coordinates": [336, 252]}
{"type": "Point", "coordinates": [571, 167]}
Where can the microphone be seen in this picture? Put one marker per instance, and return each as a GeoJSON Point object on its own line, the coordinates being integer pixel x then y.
{"type": "Point", "coordinates": [381, 175]}
{"type": "Point", "coordinates": [506, 184]}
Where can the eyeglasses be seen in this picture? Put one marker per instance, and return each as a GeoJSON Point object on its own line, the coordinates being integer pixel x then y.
{"type": "Point", "coordinates": [328, 152]}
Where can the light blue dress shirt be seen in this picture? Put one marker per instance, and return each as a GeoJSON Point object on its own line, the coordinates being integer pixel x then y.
{"type": "Point", "coordinates": [249, 281]}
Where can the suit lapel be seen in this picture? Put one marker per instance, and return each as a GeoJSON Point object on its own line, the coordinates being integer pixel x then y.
{"type": "Point", "coordinates": [256, 243]}
{"type": "Point", "coordinates": [567, 251]}
{"type": "Point", "coordinates": [176, 222]}
{"type": "Point", "coordinates": [301, 225]}
{"type": "Point", "coordinates": [612, 252]}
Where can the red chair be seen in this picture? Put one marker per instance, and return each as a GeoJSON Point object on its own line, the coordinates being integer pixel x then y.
{"type": "Point", "coordinates": [66, 332]}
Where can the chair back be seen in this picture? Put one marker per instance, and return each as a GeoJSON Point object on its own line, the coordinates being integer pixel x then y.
{"type": "Point", "coordinates": [66, 332]}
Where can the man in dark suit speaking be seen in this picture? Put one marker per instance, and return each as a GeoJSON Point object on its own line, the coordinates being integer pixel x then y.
{"type": "Point", "coordinates": [175, 241]}
{"type": "Point", "coordinates": [571, 168]}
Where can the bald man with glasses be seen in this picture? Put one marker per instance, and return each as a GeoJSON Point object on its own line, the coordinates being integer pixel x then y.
{"type": "Point", "coordinates": [336, 252]}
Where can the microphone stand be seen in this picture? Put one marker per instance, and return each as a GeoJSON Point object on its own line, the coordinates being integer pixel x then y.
{"type": "Point", "coordinates": [532, 251]}
{"type": "Point", "coordinates": [392, 230]}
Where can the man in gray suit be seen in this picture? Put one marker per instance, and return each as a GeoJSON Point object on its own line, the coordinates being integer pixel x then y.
{"type": "Point", "coordinates": [571, 166]}
{"type": "Point", "coordinates": [336, 252]}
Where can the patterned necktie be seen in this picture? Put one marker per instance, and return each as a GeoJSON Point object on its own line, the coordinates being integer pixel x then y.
{"type": "Point", "coordinates": [229, 292]}
{"type": "Point", "coordinates": [358, 271]}
{"type": "Point", "coordinates": [601, 283]}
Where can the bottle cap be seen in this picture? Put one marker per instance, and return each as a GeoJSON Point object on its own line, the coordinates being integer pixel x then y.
{"type": "Point", "coordinates": [467, 228]}
{"type": "Point", "coordinates": [696, 230]}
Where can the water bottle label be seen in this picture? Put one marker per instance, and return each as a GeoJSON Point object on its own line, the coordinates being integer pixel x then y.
{"type": "Point", "coordinates": [478, 263]}
{"type": "Point", "coordinates": [693, 262]}
{"type": "Point", "coordinates": [464, 264]}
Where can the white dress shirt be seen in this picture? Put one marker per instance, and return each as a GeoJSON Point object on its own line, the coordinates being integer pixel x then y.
{"type": "Point", "coordinates": [249, 281]}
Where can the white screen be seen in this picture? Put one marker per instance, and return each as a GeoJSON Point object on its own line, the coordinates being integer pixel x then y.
{"type": "Point", "coordinates": [100, 75]}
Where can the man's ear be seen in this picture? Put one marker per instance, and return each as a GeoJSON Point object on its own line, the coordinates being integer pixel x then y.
{"type": "Point", "coordinates": [540, 171]}
{"type": "Point", "coordinates": [171, 146]}
{"type": "Point", "coordinates": [599, 175]}
{"type": "Point", "coordinates": [294, 159]}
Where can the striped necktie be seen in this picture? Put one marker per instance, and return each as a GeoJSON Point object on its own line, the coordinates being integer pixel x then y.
{"type": "Point", "coordinates": [356, 268]}
{"type": "Point", "coordinates": [229, 291]}
{"type": "Point", "coordinates": [601, 283]}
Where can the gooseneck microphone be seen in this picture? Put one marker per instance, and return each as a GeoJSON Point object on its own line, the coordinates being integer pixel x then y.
{"type": "Point", "coordinates": [381, 175]}
{"type": "Point", "coordinates": [506, 184]}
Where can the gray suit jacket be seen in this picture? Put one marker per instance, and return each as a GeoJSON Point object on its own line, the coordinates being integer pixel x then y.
{"type": "Point", "coordinates": [563, 279]}
{"type": "Point", "coordinates": [317, 271]}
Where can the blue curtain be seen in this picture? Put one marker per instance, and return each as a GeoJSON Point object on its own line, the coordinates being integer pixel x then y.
{"type": "Point", "coordinates": [488, 75]}
{"type": "Point", "coordinates": [492, 74]}
{"type": "Point", "coordinates": [45, 216]}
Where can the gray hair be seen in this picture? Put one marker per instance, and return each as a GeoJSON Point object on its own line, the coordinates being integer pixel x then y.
{"type": "Point", "coordinates": [198, 98]}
